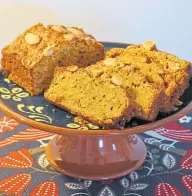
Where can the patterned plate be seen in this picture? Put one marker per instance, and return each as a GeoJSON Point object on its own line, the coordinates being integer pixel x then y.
{"type": "Point", "coordinates": [38, 109]}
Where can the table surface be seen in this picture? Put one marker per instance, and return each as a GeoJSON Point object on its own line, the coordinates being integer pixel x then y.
{"type": "Point", "coordinates": [168, 167]}
{"type": "Point", "coordinates": [24, 169]}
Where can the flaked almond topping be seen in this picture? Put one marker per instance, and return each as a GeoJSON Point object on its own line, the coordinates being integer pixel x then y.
{"type": "Point", "coordinates": [112, 86]}
{"type": "Point", "coordinates": [144, 60]}
{"type": "Point", "coordinates": [72, 68]}
{"type": "Point", "coordinates": [49, 51]}
{"type": "Point", "coordinates": [58, 28]}
{"type": "Point", "coordinates": [75, 31]}
{"type": "Point", "coordinates": [105, 76]}
{"type": "Point", "coordinates": [117, 80]}
{"type": "Point", "coordinates": [32, 39]}
{"type": "Point", "coordinates": [89, 41]}
{"type": "Point", "coordinates": [90, 36]}
{"type": "Point", "coordinates": [121, 65]}
{"type": "Point", "coordinates": [69, 37]}
{"type": "Point", "coordinates": [96, 72]}
{"type": "Point", "coordinates": [149, 45]}
{"type": "Point", "coordinates": [109, 61]}
{"type": "Point", "coordinates": [173, 65]}
{"type": "Point", "coordinates": [47, 26]}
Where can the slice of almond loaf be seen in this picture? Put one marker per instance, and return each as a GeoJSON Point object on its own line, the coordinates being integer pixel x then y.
{"type": "Point", "coordinates": [143, 92]}
{"type": "Point", "coordinates": [30, 59]}
{"type": "Point", "coordinates": [90, 96]}
{"type": "Point", "coordinates": [162, 68]}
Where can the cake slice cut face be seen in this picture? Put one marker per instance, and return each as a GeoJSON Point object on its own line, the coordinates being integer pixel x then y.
{"type": "Point", "coordinates": [176, 72]}
{"type": "Point", "coordinates": [31, 58]}
{"type": "Point", "coordinates": [145, 94]}
{"type": "Point", "coordinates": [162, 68]}
{"type": "Point", "coordinates": [90, 96]}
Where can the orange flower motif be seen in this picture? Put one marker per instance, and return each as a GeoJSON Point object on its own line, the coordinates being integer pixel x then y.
{"type": "Point", "coordinates": [187, 182]}
{"type": "Point", "coordinates": [17, 159]}
{"type": "Point", "coordinates": [7, 124]}
{"type": "Point", "coordinates": [26, 135]}
{"type": "Point", "coordinates": [16, 184]}
{"type": "Point", "coordinates": [48, 188]}
{"type": "Point", "coordinates": [166, 189]}
{"type": "Point", "coordinates": [186, 161]}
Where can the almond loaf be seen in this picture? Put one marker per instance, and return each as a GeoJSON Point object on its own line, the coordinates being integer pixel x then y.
{"type": "Point", "coordinates": [145, 94]}
{"type": "Point", "coordinates": [172, 65]}
{"type": "Point", "coordinates": [153, 71]}
{"type": "Point", "coordinates": [94, 98]}
{"type": "Point", "coordinates": [163, 68]}
{"type": "Point", "coordinates": [30, 59]}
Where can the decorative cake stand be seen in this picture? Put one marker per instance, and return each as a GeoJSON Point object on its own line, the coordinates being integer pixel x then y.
{"type": "Point", "coordinates": [81, 149]}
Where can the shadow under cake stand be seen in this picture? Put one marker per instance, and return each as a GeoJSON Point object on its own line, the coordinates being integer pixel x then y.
{"type": "Point", "coordinates": [81, 149]}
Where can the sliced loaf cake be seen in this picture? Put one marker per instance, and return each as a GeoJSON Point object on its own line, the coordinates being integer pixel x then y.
{"type": "Point", "coordinates": [30, 59]}
{"type": "Point", "coordinates": [145, 94]}
{"type": "Point", "coordinates": [89, 95]}
{"type": "Point", "coordinates": [162, 68]}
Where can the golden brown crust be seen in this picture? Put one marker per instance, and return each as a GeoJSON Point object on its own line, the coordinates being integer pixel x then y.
{"type": "Point", "coordinates": [145, 94]}
{"type": "Point", "coordinates": [39, 49]}
{"type": "Point", "coordinates": [114, 52]}
{"type": "Point", "coordinates": [174, 72]}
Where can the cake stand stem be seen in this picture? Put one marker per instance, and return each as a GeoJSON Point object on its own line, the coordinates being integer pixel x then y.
{"type": "Point", "coordinates": [96, 157]}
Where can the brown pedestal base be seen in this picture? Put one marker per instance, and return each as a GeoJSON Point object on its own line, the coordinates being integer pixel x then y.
{"type": "Point", "coordinates": [96, 157]}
